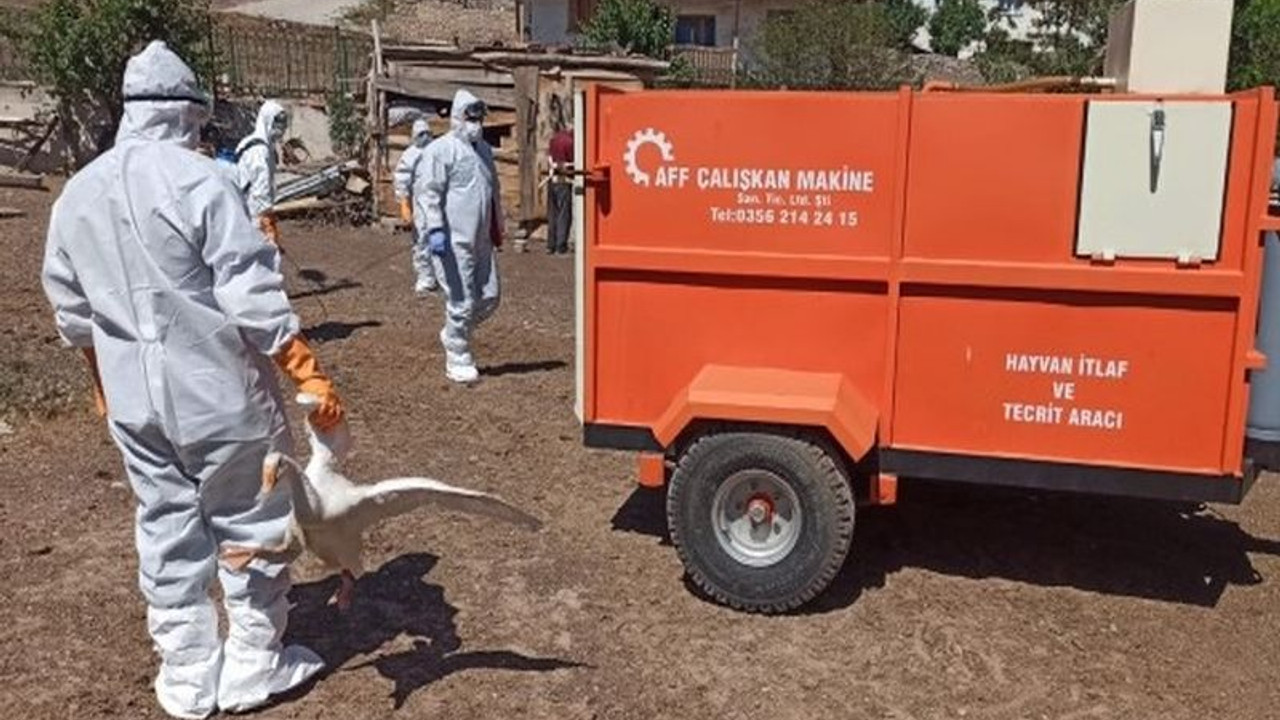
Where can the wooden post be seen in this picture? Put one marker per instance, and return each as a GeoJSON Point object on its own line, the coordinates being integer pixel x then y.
{"type": "Point", "coordinates": [377, 118]}
{"type": "Point", "coordinates": [35, 149]}
{"type": "Point", "coordinates": [737, 32]}
{"type": "Point", "coordinates": [733, 66]}
{"type": "Point", "coordinates": [233, 77]}
{"type": "Point", "coordinates": [526, 86]}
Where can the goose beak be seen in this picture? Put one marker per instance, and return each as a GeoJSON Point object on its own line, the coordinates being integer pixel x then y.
{"type": "Point", "coordinates": [270, 473]}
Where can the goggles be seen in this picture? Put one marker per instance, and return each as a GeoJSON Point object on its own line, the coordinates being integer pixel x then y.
{"type": "Point", "coordinates": [475, 111]}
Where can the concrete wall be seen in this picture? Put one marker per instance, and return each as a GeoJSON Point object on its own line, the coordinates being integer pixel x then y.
{"type": "Point", "coordinates": [26, 101]}
{"type": "Point", "coordinates": [233, 118]}
{"type": "Point", "coordinates": [308, 122]}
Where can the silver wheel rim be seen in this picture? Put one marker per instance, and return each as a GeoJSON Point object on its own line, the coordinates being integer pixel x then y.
{"type": "Point", "coordinates": [757, 518]}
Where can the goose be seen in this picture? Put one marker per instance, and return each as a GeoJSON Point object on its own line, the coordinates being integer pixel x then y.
{"type": "Point", "coordinates": [331, 513]}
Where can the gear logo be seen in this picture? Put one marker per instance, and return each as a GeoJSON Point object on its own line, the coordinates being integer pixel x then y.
{"type": "Point", "coordinates": [648, 136]}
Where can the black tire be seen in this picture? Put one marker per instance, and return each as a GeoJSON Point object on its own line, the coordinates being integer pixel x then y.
{"type": "Point", "coordinates": [819, 482]}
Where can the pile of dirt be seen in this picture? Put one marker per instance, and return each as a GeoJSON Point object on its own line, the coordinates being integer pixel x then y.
{"type": "Point", "coordinates": [471, 25]}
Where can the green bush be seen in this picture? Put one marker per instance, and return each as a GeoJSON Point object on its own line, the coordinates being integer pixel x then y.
{"type": "Point", "coordinates": [1255, 44]}
{"type": "Point", "coordinates": [634, 26]}
{"type": "Point", "coordinates": [346, 127]}
{"type": "Point", "coordinates": [830, 45]}
{"type": "Point", "coordinates": [955, 25]}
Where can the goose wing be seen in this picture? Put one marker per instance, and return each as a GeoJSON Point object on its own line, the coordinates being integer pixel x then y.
{"type": "Point", "coordinates": [393, 497]}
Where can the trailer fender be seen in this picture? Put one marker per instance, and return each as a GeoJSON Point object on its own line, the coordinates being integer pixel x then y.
{"type": "Point", "coordinates": [766, 395]}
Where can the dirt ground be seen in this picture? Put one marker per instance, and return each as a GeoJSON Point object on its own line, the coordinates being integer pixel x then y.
{"type": "Point", "coordinates": [956, 603]}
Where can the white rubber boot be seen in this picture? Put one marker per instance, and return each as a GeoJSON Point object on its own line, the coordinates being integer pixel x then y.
{"type": "Point", "coordinates": [190, 659]}
{"type": "Point", "coordinates": [255, 666]}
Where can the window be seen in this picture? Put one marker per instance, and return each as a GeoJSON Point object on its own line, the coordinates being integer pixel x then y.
{"type": "Point", "coordinates": [580, 11]}
{"type": "Point", "coordinates": [696, 30]}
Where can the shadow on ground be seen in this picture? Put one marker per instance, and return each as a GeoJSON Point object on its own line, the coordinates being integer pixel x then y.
{"type": "Point", "coordinates": [317, 290]}
{"type": "Point", "coordinates": [524, 368]}
{"type": "Point", "coordinates": [393, 601]}
{"type": "Point", "coordinates": [330, 330]}
{"type": "Point", "coordinates": [1169, 552]}
{"type": "Point", "coordinates": [644, 512]}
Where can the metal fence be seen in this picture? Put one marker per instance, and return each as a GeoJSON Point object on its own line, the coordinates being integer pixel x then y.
{"type": "Point", "coordinates": [711, 66]}
{"type": "Point", "coordinates": [12, 65]}
{"type": "Point", "coordinates": [290, 60]}
{"type": "Point", "coordinates": [281, 59]}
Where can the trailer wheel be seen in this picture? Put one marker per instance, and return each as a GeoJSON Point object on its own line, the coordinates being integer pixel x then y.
{"type": "Point", "coordinates": [762, 522]}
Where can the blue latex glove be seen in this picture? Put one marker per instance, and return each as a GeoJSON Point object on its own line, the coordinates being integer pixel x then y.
{"type": "Point", "coordinates": [438, 242]}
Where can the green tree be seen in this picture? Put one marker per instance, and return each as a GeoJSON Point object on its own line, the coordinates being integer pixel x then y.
{"type": "Point", "coordinates": [1068, 37]}
{"type": "Point", "coordinates": [955, 25]}
{"type": "Point", "coordinates": [830, 44]}
{"type": "Point", "coordinates": [904, 17]}
{"type": "Point", "coordinates": [78, 48]}
{"type": "Point", "coordinates": [634, 26]}
{"type": "Point", "coordinates": [1255, 44]}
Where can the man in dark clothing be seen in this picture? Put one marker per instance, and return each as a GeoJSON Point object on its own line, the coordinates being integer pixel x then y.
{"type": "Point", "coordinates": [560, 191]}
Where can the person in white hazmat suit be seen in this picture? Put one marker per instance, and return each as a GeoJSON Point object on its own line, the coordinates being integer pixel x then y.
{"type": "Point", "coordinates": [462, 214]}
{"type": "Point", "coordinates": [155, 271]}
{"type": "Point", "coordinates": [404, 182]}
{"type": "Point", "coordinates": [256, 162]}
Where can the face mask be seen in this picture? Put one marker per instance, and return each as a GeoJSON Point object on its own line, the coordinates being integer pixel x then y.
{"type": "Point", "coordinates": [472, 130]}
{"type": "Point", "coordinates": [422, 140]}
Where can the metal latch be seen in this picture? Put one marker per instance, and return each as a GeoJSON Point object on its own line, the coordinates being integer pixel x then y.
{"type": "Point", "coordinates": [599, 175]}
{"type": "Point", "coordinates": [1157, 145]}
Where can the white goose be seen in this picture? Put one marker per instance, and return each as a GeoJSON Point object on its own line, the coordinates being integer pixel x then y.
{"type": "Point", "coordinates": [331, 513]}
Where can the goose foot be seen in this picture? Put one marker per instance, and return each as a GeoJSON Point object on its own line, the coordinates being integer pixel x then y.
{"type": "Point", "coordinates": [346, 591]}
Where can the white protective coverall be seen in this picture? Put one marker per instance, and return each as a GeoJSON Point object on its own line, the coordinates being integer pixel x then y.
{"type": "Point", "coordinates": [256, 163]}
{"type": "Point", "coordinates": [459, 194]}
{"type": "Point", "coordinates": [152, 261]}
{"type": "Point", "coordinates": [405, 173]}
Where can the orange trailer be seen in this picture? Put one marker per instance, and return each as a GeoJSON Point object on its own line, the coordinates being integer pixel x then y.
{"type": "Point", "coordinates": [789, 300]}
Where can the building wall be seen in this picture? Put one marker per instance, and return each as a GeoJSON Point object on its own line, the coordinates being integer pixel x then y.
{"type": "Point", "coordinates": [549, 22]}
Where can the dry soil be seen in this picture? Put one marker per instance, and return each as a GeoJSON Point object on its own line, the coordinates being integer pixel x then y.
{"type": "Point", "coordinates": [955, 603]}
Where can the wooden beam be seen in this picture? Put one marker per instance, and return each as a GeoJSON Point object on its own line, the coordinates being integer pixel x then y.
{"type": "Point", "coordinates": [20, 180]}
{"type": "Point", "coordinates": [410, 53]}
{"type": "Point", "coordinates": [500, 97]}
{"type": "Point", "coordinates": [566, 60]}
{"type": "Point", "coordinates": [35, 148]}
{"type": "Point", "coordinates": [466, 74]}
{"type": "Point", "coordinates": [526, 91]}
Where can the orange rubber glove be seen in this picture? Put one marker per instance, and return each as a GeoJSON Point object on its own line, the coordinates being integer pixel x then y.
{"type": "Point", "coordinates": [99, 400]}
{"type": "Point", "coordinates": [406, 211]}
{"type": "Point", "coordinates": [296, 360]}
{"type": "Point", "coordinates": [267, 224]}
